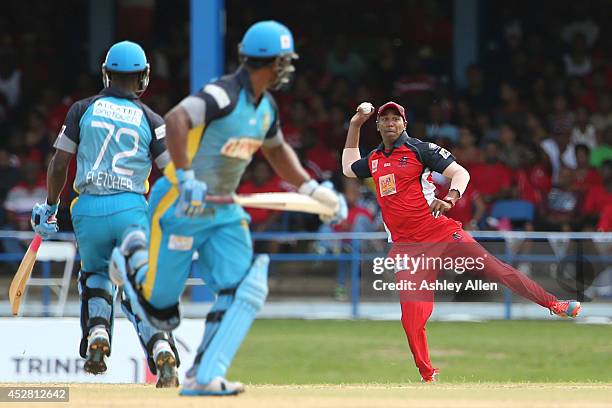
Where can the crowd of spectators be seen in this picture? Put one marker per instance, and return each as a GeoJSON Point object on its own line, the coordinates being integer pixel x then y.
{"type": "Point", "coordinates": [533, 121]}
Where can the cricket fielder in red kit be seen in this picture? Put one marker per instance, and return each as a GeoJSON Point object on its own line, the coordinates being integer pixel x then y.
{"type": "Point", "coordinates": [401, 168]}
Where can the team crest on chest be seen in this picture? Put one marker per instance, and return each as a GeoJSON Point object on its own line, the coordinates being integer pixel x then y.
{"type": "Point", "coordinates": [240, 148]}
{"type": "Point", "coordinates": [374, 165]}
{"type": "Point", "coordinates": [386, 185]}
{"type": "Point", "coordinates": [403, 162]}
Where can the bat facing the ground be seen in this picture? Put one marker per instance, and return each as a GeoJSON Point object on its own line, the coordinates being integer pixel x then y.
{"type": "Point", "coordinates": [275, 201]}
{"type": "Point", "coordinates": [23, 274]}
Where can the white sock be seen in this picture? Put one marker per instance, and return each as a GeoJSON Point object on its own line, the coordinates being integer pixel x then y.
{"type": "Point", "coordinates": [97, 328]}
{"type": "Point", "coordinates": [161, 345]}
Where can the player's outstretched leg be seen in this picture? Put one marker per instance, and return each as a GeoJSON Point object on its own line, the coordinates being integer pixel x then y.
{"type": "Point", "coordinates": [128, 266]}
{"type": "Point", "coordinates": [159, 347]}
{"type": "Point", "coordinates": [498, 271]}
{"type": "Point", "coordinates": [97, 295]}
{"type": "Point", "coordinates": [227, 325]}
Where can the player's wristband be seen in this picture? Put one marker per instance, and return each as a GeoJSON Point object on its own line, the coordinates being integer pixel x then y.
{"type": "Point", "coordinates": [308, 187]}
{"type": "Point", "coordinates": [184, 175]}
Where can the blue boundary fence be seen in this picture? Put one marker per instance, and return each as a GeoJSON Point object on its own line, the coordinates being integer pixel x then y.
{"type": "Point", "coordinates": [355, 257]}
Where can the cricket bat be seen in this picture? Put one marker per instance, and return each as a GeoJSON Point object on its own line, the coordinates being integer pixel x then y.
{"type": "Point", "coordinates": [23, 274]}
{"type": "Point", "coordinates": [275, 201]}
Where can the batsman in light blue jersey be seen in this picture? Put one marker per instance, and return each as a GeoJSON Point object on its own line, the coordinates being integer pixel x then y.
{"type": "Point", "coordinates": [212, 136]}
{"type": "Point", "coordinates": [115, 138]}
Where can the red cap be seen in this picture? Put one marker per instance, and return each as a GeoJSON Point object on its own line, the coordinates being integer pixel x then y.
{"type": "Point", "coordinates": [392, 105]}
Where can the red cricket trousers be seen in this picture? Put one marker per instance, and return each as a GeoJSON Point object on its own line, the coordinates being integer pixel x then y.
{"type": "Point", "coordinates": [417, 306]}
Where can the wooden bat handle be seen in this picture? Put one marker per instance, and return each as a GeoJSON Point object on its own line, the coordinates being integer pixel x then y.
{"type": "Point", "coordinates": [36, 243]}
{"type": "Point", "coordinates": [217, 199]}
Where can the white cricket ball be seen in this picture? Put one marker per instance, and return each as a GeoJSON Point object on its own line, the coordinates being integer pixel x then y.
{"type": "Point", "coordinates": [365, 107]}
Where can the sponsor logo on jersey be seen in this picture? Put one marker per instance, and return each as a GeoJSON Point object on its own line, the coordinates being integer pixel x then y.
{"type": "Point", "coordinates": [160, 132]}
{"type": "Point", "coordinates": [241, 148]}
{"type": "Point", "coordinates": [374, 165]}
{"type": "Point", "coordinates": [387, 165]}
{"type": "Point", "coordinates": [444, 153]}
{"type": "Point", "coordinates": [180, 242]}
{"type": "Point", "coordinates": [126, 114]}
{"type": "Point", "coordinates": [386, 185]}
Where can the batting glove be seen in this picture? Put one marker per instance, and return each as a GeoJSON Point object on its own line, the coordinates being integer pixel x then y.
{"type": "Point", "coordinates": [43, 219]}
{"type": "Point", "coordinates": [328, 196]}
{"type": "Point", "coordinates": [192, 193]}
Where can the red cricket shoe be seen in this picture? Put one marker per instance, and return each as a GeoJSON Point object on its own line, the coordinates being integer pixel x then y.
{"type": "Point", "coordinates": [432, 378]}
{"type": "Point", "coordinates": [565, 308]}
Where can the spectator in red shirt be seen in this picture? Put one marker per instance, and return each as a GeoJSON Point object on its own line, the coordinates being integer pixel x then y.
{"type": "Point", "coordinates": [491, 179]}
{"type": "Point", "coordinates": [24, 195]}
{"type": "Point", "coordinates": [533, 179]}
{"type": "Point", "coordinates": [317, 152]}
{"type": "Point", "coordinates": [261, 181]}
{"type": "Point", "coordinates": [429, 27]}
{"type": "Point", "coordinates": [598, 196]}
{"type": "Point", "coordinates": [585, 176]}
{"type": "Point", "coordinates": [359, 219]}
{"type": "Point", "coordinates": [605, 222]}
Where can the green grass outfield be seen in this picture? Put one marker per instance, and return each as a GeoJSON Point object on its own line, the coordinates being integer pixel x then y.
{"type": "Point", "coordinates": [365, 352]}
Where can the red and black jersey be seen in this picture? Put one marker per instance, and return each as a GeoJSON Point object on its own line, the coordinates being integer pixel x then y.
{"type": "Point", "coordinates": [405, 188]}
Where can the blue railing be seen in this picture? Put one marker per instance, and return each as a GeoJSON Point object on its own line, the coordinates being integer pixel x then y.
{"type": "Point", "coordinates": [355, 257]}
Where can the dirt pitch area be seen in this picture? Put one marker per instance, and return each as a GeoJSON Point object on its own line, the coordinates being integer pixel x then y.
{"type": "Point", "coordinates": [470, 395]}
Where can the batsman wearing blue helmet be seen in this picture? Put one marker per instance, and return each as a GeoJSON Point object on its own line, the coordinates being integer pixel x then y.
{"type": "Point", "coordinates": [115, 138]}
{"type": "Point", "coordinates": [212, 136]}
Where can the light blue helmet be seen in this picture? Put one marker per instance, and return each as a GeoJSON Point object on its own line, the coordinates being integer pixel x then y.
{"type": "Point", "coordinates": [267, 41]}
{"type": "Point", "coordinates": [126, 57]}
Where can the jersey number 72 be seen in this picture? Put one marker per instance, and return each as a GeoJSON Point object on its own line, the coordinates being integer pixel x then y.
{"type": "Point", "coordinates": [120, 132]}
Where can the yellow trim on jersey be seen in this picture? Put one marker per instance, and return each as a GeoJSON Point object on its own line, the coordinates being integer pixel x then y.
{"type": "Point", "coordinates": [155, 239]}
{"type": "Point", "coordinates": [194, 137]}
{"type": "Point", "coordinates": [73, 203]}
{"type": "Point", "coordinates": [74, 187]}
{"type": "Point", "coordinates": [146, 183]}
